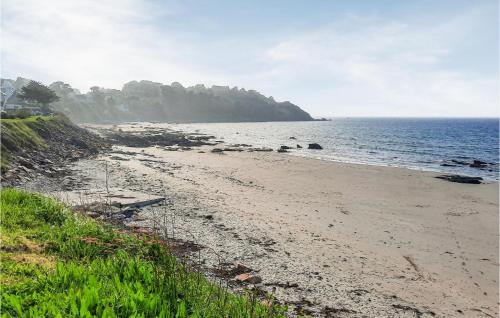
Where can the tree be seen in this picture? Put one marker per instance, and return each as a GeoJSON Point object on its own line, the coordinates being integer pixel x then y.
{"type": "Point", "coordinates": [37, 92]}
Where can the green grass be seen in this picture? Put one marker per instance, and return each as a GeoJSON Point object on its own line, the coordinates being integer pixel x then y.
{"type": "Point", "coordinates": [24, 135]}
{"type": "Point", "coordinates": [20, 134]}
{"type": "Point", "coordinates": [20, 131]}
{"type": "Point", "coordinates": [55, 263]}
{"type": "Point", "coordinates": [28, 119]}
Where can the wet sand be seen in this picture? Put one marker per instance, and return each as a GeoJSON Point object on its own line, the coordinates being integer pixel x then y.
{"type": "Point", "coordinates": [340, 239]}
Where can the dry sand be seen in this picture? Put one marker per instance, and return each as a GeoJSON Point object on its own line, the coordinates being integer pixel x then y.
{"type": "Point", "coordinates": [357, 239]}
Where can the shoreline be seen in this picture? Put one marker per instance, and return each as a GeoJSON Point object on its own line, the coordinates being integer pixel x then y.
{"type": "Point", "coordinates": [486, 180]}
{"type": "Point", "coordinates": [453, 163]}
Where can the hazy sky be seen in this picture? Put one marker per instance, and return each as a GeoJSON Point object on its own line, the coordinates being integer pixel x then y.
{"type": "Point", "coordinates": [332, 58]}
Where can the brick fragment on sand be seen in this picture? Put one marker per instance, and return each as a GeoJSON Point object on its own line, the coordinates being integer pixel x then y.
{"type": "Point", "coordinates": [248, 278]}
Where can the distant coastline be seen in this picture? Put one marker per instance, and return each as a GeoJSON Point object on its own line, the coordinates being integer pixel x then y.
{"type": "Point", "coordinates": [153, 101]}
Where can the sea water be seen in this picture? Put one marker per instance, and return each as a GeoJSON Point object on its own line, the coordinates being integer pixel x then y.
{"type": "Point", "coordinates": [415, 143]}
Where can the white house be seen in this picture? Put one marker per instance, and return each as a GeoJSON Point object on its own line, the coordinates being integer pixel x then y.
{"type": "Point", "coordinates": [7, 90]}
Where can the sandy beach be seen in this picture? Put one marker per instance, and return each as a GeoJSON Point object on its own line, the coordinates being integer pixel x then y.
{"type": "Point", "coordinates": [259, 159]}
{"type": "Point", "coordinates": [339, 240]}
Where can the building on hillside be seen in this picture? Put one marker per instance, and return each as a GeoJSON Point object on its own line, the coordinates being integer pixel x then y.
{"type": "Point", "coordinates": [10, 103]}
{"type": "Point", "coordinates": [7, 90]}
{"type": "Point", "coordinates": [32, 109]}
{"type": "Point", "coordinates": [11, 107]}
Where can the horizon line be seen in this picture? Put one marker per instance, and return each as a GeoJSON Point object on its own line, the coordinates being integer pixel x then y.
{"type": "Point", "coordinates": [408, 117]}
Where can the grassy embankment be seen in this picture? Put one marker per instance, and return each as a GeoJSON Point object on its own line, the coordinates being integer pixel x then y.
{"type": "Point", "coordinates": [21, 133]}
{"type": "Point", "coordinates": [55, 263]}
{"type": "Point", "coordinates": [31, 140]}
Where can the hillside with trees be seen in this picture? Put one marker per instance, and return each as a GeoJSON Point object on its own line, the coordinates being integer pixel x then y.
{"type": "Point", "coordinates": [151, 101]}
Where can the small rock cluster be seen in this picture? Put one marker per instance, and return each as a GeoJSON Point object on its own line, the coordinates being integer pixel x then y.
{"type": "Point", "coordinates": [479, 164]}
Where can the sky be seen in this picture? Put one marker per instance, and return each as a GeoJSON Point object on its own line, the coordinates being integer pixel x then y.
{"type": "Point", "coordinates": [421, 58]}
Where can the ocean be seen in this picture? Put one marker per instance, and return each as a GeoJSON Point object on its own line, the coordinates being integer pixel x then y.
{"type": "Point", "coordinates": [441, 144]}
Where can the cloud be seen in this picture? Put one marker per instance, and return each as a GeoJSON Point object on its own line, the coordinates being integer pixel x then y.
{"type": "Point", "coordinates": [90, 42]}
{"type": "Point", "coordinates": [386, 68]}
{"type": "Point", "coordinates": [358, 65]}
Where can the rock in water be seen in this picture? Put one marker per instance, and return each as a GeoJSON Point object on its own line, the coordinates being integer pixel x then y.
{"type": "Point", "coordinates": [478, 164]}
{"type": "Point", "coordinates": [315, 146]}
{"type": "Point", "coordinates": [299, 146]}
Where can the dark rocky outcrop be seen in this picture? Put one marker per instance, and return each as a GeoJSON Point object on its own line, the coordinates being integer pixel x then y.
{"type": "Point", "coordinates": [148, 139]}
{"type": "Point", "coordinates": [315, 146]}
{"type": "Point", "coordinates": [478, 164]}
{"type": "Point", "coordinates": [264, 149]}
{"type": "Point", "coordinates": [233, 149]}
{"type": "Point", "coordinates": [461, 179]}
